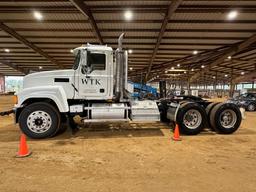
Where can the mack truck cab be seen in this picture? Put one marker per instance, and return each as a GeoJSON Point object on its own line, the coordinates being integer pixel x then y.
{"type": "Point", "coordinates": [96, 89]}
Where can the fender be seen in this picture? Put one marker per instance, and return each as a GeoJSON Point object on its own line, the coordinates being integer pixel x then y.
{"type": "Point", "coordinates": [55, 93]}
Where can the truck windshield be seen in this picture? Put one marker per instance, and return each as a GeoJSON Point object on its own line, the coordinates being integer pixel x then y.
{"type": "Point", "coordinates": [77, 60]}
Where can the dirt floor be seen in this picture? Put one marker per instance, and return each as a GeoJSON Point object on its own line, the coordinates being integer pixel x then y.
{"type": "Point", "coordinates": [130, 157]}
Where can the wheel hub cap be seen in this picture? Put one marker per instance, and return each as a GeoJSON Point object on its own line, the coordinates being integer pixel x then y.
{"type": "Point", "coordinates": [251, 107]}
{"type": "Point", "coordinates": [192, 119]}
{"type": "Point", "coordinates": [228, 118]}
{"type": "Point", "coordinates": [39, 121]}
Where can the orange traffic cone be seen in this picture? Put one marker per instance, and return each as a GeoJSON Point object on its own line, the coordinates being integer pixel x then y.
{"type": "Point", "coordinates": [23, 150]}
{"type": "Point", "coordinates": [176, 136]}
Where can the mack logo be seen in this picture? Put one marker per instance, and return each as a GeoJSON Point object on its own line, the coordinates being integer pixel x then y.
{"type": "Point", "coordinates": [91, 81]}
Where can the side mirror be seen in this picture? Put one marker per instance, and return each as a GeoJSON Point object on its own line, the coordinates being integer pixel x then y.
{"type": "Point", "coordinates": [89, 59]}
{"type": "Point", "coordinates": [86, 69]}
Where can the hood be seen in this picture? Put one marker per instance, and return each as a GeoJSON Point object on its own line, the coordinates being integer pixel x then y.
{"type": "Point", "coordinates": [46, 78]}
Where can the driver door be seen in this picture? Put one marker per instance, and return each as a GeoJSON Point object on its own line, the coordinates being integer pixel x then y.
{"type": "Point", "coordinates": [94, 76]}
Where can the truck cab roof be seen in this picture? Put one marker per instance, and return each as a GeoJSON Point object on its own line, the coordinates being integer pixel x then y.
{"type": "Point", "coordinates": [93, 47]}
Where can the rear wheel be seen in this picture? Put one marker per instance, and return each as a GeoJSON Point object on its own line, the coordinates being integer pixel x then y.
{"type": "Point", "coordinates": [225, 118]}
{"type": "Point", "coordinates": [191, 117]}
{"type": "Point", "coordinates": [208, 112]}
{"type": "Point", "coordinates": [39, 120]}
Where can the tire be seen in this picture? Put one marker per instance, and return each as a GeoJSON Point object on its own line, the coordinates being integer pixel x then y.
{"type": "Point", "coordinates": [63, 125]}
{"type": "Point", "coordinates": [190, 118]}
{"type": "Point", "coordinates": [39, 120]}
{"type": "Point", "coordinates": [209, 108]}
{"type": "Point", "coordinates": [232, 116]}
{"type": "Point", "coordinates": [251, 107]}
{"type": "Point", "coordinates": [208, 112]}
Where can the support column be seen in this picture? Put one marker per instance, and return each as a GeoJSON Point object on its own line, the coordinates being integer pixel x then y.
{"type": "Point", "coordinates": [162, 87]}
{"type": "Point", "coordinates": [2, 84]}
{"type": "Point", "coordinates": [188, 84]}
{"type": "Point", "coordinates": [232, 85]}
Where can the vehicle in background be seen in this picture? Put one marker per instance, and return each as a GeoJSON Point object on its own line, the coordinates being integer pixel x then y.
{"type": "Point", "coordinates": [247, 101]}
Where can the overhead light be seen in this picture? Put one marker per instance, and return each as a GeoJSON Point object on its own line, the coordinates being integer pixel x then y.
{"type": "Point", "coordinates": [213, 77]}
{"type": "Point", "coordinates": [226, 75]}
{"type": "Point", "coordinates": [166, 71]}
{"type": "Point", "coordinates": [129, 51]}
{"type": "Point", "coordinates": [172, 68]}
{"type": "Point", "coordinates": [38, 15]}
{"type": "Point", "coordinates": [40, 67]}
{"type": "Point", "coordinates": [185, 72]}
{"type": "Point", "coordinates": [7, 50]}
{"type": "Point", "coordinates": [232, 15]}
{"type": "Point", "coordinates": [242, 73]}
{"type": "Point", "coordinates": [131, 68]}
{"type": "Point", "coordinates": [202, 66]}
{"type": "Point", "coordinates": [157, 76]}
{"type": "Point", "coordinates": [178, 65]}
{"type": "Point", "coordinates": [192, 69]}
{"type": "Point", "coordinates": [128, 15]}
{"type": "Point", "coordinates": [71, 50]}
{"type": "Point", "coordinates": [195, 52]}
{"type": "Point", "coordinates": [229, 57]}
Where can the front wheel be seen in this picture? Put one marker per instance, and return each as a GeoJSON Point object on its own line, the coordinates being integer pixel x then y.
{"type": "Point", "coordinates": [39, 120]}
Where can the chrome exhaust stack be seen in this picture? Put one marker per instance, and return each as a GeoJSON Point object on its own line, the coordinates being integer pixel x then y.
{"type": "Point", "coordinates": [120, 42]}
{"type": "Point", "coordinates": [121, 71]}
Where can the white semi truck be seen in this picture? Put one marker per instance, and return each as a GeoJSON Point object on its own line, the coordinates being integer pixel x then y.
{"type": "Point", "coordinates": [96, 89]}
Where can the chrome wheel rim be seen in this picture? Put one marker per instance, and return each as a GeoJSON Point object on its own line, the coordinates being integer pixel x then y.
{"type": "Point", "coordinates": [192, 119]}
{"type": "Point", "coordinates": [39, 121]}
{"type": "Point", "coordinates": [251, 107]}
{"type": "Point", "coordinates": [228, 118]}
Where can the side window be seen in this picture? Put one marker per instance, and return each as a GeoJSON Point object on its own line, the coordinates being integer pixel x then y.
{"type": "Point", "coordinates": [96, 61]}
{"type": "Point", "coordinates": [77, 60]}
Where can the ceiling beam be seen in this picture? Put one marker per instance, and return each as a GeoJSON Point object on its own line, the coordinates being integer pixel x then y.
{"type": "Point", "coordinates": [171, 9]}
{"type": "Point", "coordinates": [128, 43]}
{"type": "Point", "coordinates": [24, 41]}
{"type": "Point", "coordinates": [236, 48]}
{"type": "Point", "coordinates": [231, 67]}
{"type": "Point", "coordinates": [131, 37]}
{"type": "Point", "coordinates": [185, 60]}
{"type": "Point", "coordinates": [108, 8]}
{"type": "Point", "coordinates": [248, 77]}
{"type": "Point", "coordinates": [241, 30]}
{"type": "Point", "coordinates": [135, 21]}
{"type": "Point", "coordinates": [9, 64]}
{"type": "Point", "coordinates": [85, 10]}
